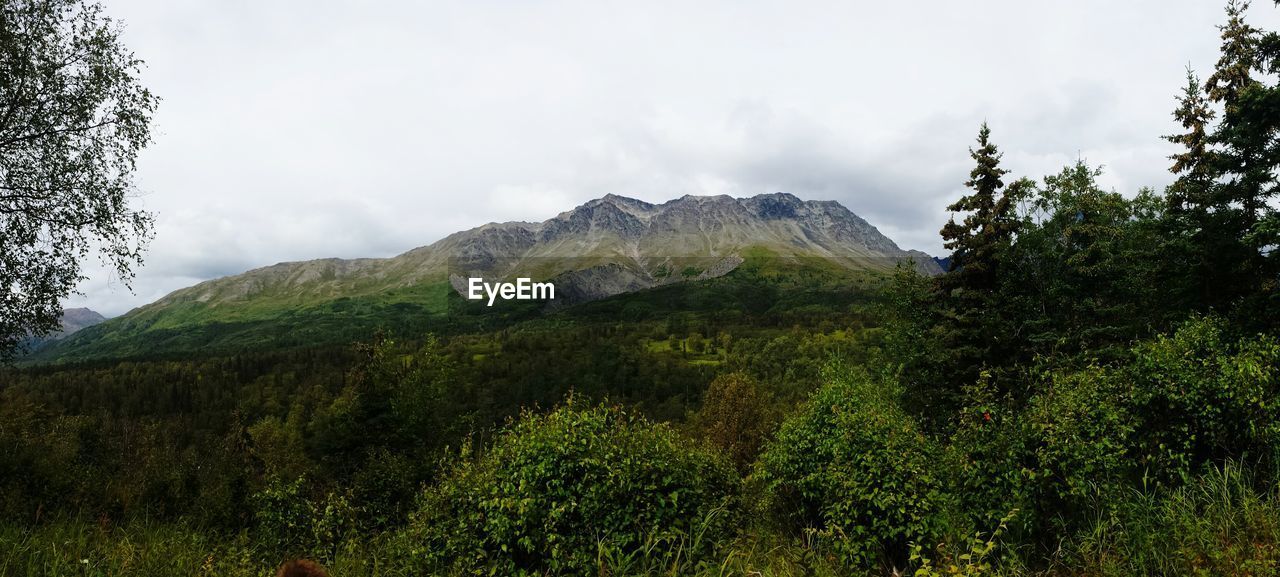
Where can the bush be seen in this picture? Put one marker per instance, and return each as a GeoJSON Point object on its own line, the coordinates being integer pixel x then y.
{"type": "Point", "coordinates": [992, 447]}
{"type": "Point", "coordinates": [283, 516]}
{"type": "Point", "coordinates": [1083, 430]}
{"type": "Point", "coordinates": [556, 491]}
{"type": "Point", "coordinates": [853, 471]}
{"type": "Point", "coordinates": [736, 417]}
{"type": "Point", "coordinates": [289, 524]}
{"type": "Point", "coordinates": [1205, 398]}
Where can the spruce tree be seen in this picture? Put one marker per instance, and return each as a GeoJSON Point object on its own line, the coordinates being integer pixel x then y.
{"type": "Point", "coordinates": [1192, 235]}
{"type": "Point", "coordinates": [1267, 122]}
{"type": "Point", "coordinates": [975, 331]}
{"type": "Point", "coordinates": [1220, 204]}
{"type": "Point", "coordinates": [1190, 195]}
{"type": "Point", "coordinates": [1240, 136]}
{"type": "Point", "coordinates": [976, 242]}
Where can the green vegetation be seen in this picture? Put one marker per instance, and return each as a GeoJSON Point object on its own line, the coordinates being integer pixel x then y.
{"type": "Point", "coordinates": [852, 471]}
{"type": "Point", "coordinates": [765, 290]}
{"type": "Point", "coordinates": [1094, 389]}
{"type": "Point", "coordinates": [556, 492]}
{"type": "Point", "coordinates": [1219, 523]}
{"type": "Point", "coordinates": [268, 320]}
{"type": "Point", "coordinates": [76, 115]}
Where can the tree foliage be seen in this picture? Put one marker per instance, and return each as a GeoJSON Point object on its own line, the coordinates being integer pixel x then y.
{"type": "Point", "coordinates": [857, 475]}
{"type": "Point", "coordinates": [557, 489]}
{"type": "Point", "coordinates": [976, 241]}
{"type": "Point", "coordinates": [1084, 269]}
{"type": "Point", "coordinates": [1221, 202]}
{"type": "Point", "coordinates": [736, 417]}
{"type": "Point", "coordinates": [73, 118]}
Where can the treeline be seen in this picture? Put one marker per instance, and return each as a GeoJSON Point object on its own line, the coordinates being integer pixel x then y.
{"type": "Point", "coordinates": [199, 438]}
{"type": "Point", "coordinates": [1061, 272]}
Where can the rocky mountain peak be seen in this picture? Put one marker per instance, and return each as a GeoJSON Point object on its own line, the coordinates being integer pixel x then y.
{"type": "Point", "coordinates": [603, 247]}
{"type": "Point", "coordinates": [75, 319]}
{"type": "Point", "coordinates": [774, 206]}
{"type": "Point", "coordinates": [72, 321]}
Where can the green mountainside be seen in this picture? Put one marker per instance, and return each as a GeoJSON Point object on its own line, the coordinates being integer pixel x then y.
{"type": "Point", "coordinates": [604, 248]}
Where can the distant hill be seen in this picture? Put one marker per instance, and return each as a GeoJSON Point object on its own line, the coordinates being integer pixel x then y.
{"type": "Point", "coordinates": [605, 247]}
{"type": "Point", "coordinates": [72, 321]}
{"type": "Point", "coordinates": [75, 319]}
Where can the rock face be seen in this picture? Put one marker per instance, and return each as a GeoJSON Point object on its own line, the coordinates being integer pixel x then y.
{"type": "Point", "coordinates": [79, 318]}
{"type": "Point", "coordinates": [636, 233]}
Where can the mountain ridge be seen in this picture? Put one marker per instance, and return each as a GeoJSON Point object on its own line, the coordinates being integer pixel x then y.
{"type": "Point", "coordinates": [72, 321]}
{"type": "Point", "coordinates": [597, 223]}
{"type": "Point", "coordinates": [605, 246]}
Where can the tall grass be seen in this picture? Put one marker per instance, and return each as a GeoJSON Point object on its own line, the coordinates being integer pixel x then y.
{"type": "Point", "coordinates": [1221, 523]}
{"type": "Point", "coordinates": [76, 547]}
{"type": "Point", "coordinates": [756, 554]}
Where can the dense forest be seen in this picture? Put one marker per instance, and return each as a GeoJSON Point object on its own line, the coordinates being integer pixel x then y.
{"type": "Point", "coordinates": [1092, 388]}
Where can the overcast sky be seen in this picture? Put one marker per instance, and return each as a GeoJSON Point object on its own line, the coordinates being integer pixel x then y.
{"type": "Point", "coordinates": [300, 130]}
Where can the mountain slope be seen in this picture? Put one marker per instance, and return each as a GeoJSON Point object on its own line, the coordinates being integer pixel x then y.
{"type": "Point", "coordinates": [75, 319]}
{"type": "Point", "coordinates": [604, 247]}
{"type": "Point", "coordinates": [72, 321]}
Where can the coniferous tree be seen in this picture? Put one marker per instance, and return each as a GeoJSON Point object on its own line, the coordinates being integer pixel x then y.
{"type": "Point", "coordinates": [1190, 196]}
{"type": "Point", "coordinates": [1242, 174]}
{"type": "Point", "coordinates": [1268, 62]}
{"type": "Point", "coordinates": [1219, 207]}
{"type": "Point", "coordinates": [1190, 202]}
{"type": "Point", "coordinates": [977, 240]}
{"type": "Point", "coordinates": [974, 335]}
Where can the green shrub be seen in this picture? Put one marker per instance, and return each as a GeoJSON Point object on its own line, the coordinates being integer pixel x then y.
{"type": "Point", "coordinates": [283, 516]}
{"type": "Point", "coordinates": [855, 473]}
{"type": "Point", "coordinates": [556, 491]}
{"type": "Point", "coordinates": [992, 450]}
{"type": "Point", "coordinates": [736, 417]}
{"type": "Point", "coordinates": [291, 524]}
{"type": "Point", "coordinates": [1205, 398]}
{"type": "Point", "coordinates": [972, 562]}
{"type": "Point", "coordinates": [1083, 426]}
{"type": "Point", "coordinates": [1055, 460]}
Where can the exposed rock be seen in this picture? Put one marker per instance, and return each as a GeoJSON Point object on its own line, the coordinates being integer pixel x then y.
{"type": "Point", "coordinates": [612, 233]}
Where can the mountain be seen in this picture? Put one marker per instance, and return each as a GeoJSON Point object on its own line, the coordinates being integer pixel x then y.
{"type": "Point", "coordinates": [78, 318]}
{"type": "Point", "coordinates": [605, 247]}
{"type": "Point", "coordinates": [72, 321]}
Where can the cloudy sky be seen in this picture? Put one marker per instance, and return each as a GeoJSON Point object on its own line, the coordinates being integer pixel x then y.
{"type": "Point", "coordinates": [299, 130]}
